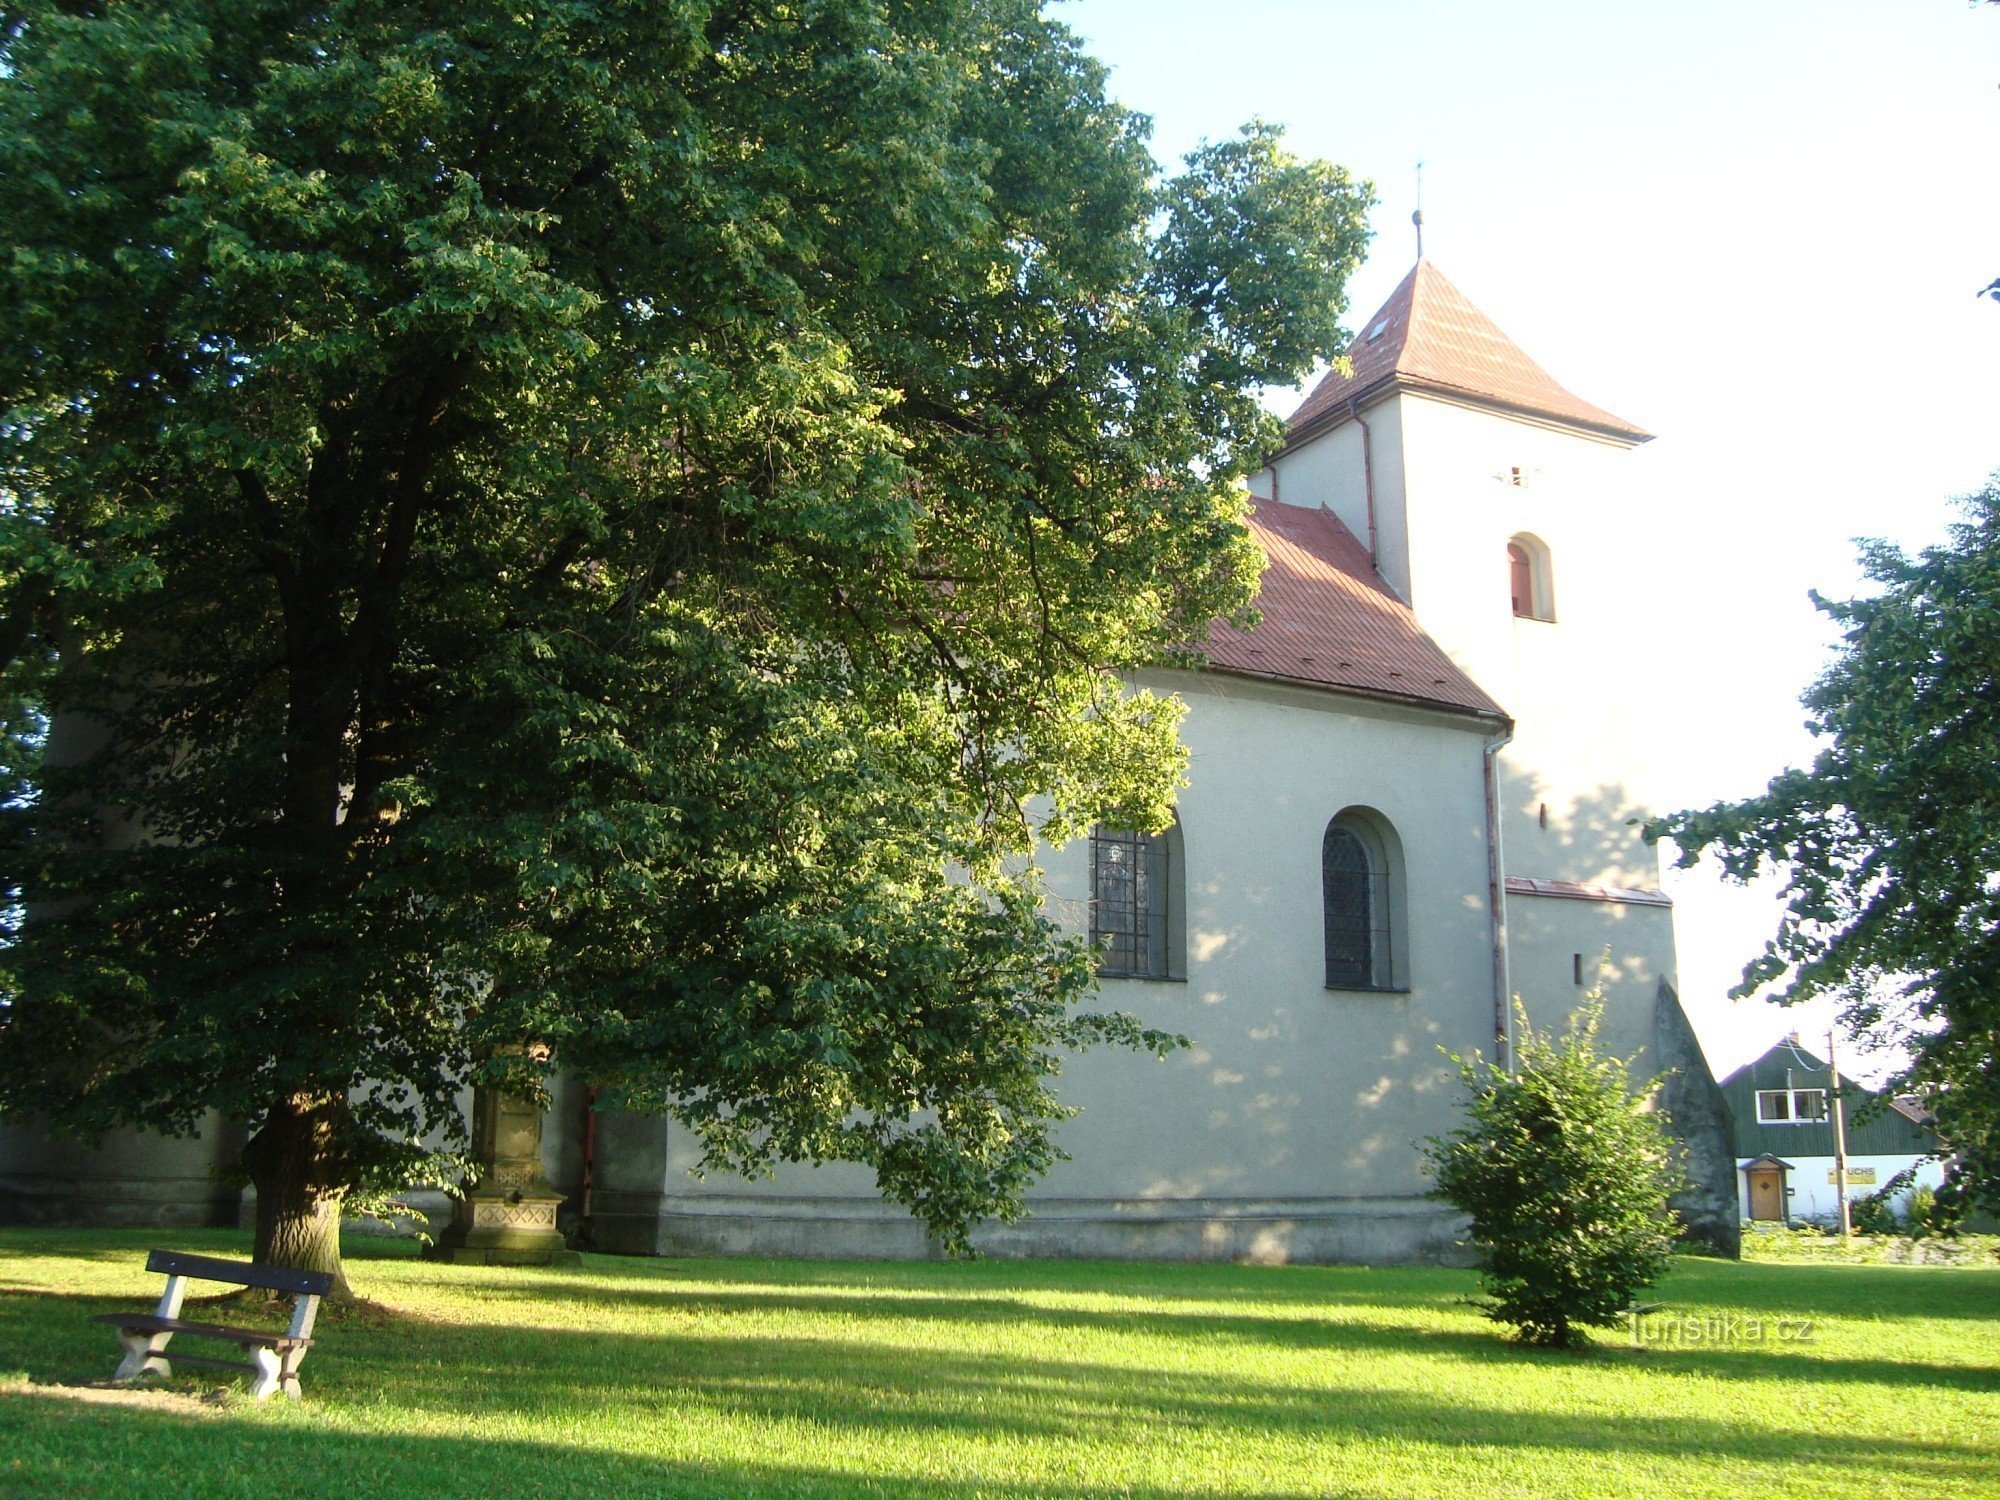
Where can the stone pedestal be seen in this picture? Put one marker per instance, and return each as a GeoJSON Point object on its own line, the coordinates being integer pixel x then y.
{"type": "Point", "coordinates": [508, 1216]}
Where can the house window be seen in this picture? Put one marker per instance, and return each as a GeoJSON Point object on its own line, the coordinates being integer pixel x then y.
{"type": "Point", "coordinates": [1529, 583]}
{"type": "Point", "coordinates": [1360, 903]}
{"type": "Point", "coordinates": [1137, 904]}
{"type": "Point", "coordinates": [1791, 1106]}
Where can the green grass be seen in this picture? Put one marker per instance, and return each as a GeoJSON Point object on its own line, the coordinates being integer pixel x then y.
{"type": "Point", "coordinates": [641, 1378]}
{"type": "Point", "coordinates": [1871, 1249]}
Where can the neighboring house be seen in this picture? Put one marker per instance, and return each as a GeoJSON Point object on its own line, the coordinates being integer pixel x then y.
{"type": "Point", "coordinates": [1784, 1137]}
{"type": "Point", "coordinates": [1412, 794]}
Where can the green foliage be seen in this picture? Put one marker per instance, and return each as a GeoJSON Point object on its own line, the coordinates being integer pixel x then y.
{"type": "Point", "coordinates": [1565, 1173]}
{"type": "Point", "coordinates": [1930, 1213]}
{"type": "Point", "coordinates": [605, 531]}
{"type": "Point", "coordinates": [1899, 1208]}
{"type": "Point", "coordinates": [1766, 1243]}
{"type": "Point", "coordinates": [1889, 844]}
{"type": "Point", "coordinates": [1877, 1213]}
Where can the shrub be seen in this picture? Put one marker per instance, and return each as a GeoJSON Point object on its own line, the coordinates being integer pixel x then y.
{"type": "Point", "coordinates": [1931, 1214]}
{"type": "Point", "coordinates": [1565, 1172]}
{"type": "Point", "coordinates": [1876, 1213]}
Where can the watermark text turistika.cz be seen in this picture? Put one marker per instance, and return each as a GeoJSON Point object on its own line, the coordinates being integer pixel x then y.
{"type": "Point", "coordinates": [1719, 1328]}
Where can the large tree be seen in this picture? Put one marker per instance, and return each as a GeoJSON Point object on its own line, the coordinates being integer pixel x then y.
{"type": "Point", "coordinates": [1889, 843]}
{"type": "Point", "coordinates": [602, 534]}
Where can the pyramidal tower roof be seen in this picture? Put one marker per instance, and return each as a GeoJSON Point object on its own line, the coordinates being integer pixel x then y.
{"type": "Point", "coordinates": [1428, 338]}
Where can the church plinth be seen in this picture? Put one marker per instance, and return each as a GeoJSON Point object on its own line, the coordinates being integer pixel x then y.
{"type": "Point", "coordinates": [508, 1216]}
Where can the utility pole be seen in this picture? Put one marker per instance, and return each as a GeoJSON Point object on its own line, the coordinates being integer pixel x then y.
{"type": "Point", "coordinates": [1839, 1139]}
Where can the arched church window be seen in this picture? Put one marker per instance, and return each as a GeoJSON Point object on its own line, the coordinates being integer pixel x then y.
{"type": "Point", "coordinates": [1528, 579]}
{"type": "Point", "coordinates": [1361, 897]}
{"type": "Point", "coordinates": [1138, 904]}
{"type": "Point", "coordinates": [1521, 574]}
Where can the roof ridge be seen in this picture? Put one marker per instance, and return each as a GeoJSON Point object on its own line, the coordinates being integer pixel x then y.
{"type": "Point", "coordinates": [1429, 335]}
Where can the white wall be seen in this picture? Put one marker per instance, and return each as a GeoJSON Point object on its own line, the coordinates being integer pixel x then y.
{"type": "Point", "coordinates": [1584, 718]}
{"type": "Point", "coordinates": [1289, 1090]}
{"type": "Point", "coordinates": [1292, 1089]}
{"type": "Point", "coordinates": [1579, 771]}
{"type": "Point", "coordinates": [1329, 471]}
{"type": "Point", "coordinates": [1626, 950]}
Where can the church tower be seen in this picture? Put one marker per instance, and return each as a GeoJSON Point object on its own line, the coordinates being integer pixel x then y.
{"type": "Point", "coordinates": [1489, 497]}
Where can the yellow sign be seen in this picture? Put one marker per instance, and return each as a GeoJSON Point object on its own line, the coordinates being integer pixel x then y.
{"type": "Point", "coordinates": [1856, 1177]}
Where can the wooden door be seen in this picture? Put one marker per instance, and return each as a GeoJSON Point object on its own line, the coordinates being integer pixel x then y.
{"type": "Point", "coordinates": [1767, 1194]}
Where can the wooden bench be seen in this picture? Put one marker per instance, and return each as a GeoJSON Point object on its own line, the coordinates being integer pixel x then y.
{"type": "Point", "coordinates": [272, 1358]}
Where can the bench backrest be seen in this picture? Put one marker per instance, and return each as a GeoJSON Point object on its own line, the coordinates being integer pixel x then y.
{"type": "Point", "coordinates": [240, 1273]}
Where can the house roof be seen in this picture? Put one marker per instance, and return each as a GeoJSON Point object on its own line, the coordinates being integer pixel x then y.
{"type": "Point", "coordinates": [1776, 1161]}
{"type": "Point", "coordinates": [1328, 620]}
{"type": "Point", "coordinates": [1428, 338]}
{"type": "Point", "coordinates": [1787, 1052]}
{"type": "Point", "coordinates": [1876, 1126]}
{"type": "Point", "coordinates": [1913, 1109]}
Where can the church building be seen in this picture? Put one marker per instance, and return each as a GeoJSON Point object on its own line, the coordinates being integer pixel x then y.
{"type": "Point", "coordinates": [1408, 800]}
{"type": "Point", "coordinates": [1411, 797]}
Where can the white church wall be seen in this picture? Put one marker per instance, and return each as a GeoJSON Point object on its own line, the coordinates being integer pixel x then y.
{"type": "Point", "coordinates": [1584, 723]}
{"type": "Point", "coordinates": [1561, 949]}
{"type": "Point", "coordinates": [1463, 483]}
{"type": "Point", "coordinates": [130, 1178]}
{"type": "Point", "coordinates": [1330, 471]}
{"type": "Point", "coordinates": [1290, 1088]}
{"type": "Point", "coordinates": [1289, 1129]}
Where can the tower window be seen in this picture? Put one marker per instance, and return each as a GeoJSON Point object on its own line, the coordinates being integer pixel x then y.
{"type": "Point", "coordinates": [1529, 583]}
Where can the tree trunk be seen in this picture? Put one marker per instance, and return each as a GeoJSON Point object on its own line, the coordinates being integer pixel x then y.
{"type": "Point", "coordinates": [294, 1162]}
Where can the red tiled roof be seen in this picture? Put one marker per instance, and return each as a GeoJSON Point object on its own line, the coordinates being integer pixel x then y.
{"type": "Point", "coordinates": [1428, 337]}
{"type": "Point", "coordinates": [1330, 621]}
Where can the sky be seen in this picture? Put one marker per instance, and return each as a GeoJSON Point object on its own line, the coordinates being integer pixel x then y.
{"type": "Point", "coordinates": [1757, 228]}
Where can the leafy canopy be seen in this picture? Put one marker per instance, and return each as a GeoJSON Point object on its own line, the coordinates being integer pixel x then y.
{"type": "Point", "coordinates": [1566, 1173]}
{"type": "Point", "coordinates": [1889, 843]}
{"type": "Point", "coordinates": [606, 526]}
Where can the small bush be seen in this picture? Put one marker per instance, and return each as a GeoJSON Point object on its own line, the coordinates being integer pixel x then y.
{"type": "Point", "coordinates": [1565, 1174]}
{"type": "Point", "coordinates": [1876, 1213]}
{"type": "Point", "coordinates": [1929, 1214]}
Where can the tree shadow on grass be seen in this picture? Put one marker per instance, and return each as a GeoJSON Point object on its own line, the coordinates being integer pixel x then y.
{"type": "Point", "coordinates": [938, 1402]}
{"type": "Point", "coordinates": [472, 1371]}
{"type": "Point", "coordinates": [866, 1364]}
{"type": "Point", "coordinates": [855, 1383]}
{"type": "Point", "coordinates": [555, 1305]}
{"type": "Point", "coordinates": [1319, 1323]}
{"type": "Point", "coordinates": [247, 1458]}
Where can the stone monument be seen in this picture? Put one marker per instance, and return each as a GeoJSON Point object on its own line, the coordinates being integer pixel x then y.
{"type": "Point", "coordinates": [508, 1216]}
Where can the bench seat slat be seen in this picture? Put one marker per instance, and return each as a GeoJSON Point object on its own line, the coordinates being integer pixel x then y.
{"type": "Point", "coordinates": [148, 1323]}
{"type": "Point", "coordinates": [240, 1273]}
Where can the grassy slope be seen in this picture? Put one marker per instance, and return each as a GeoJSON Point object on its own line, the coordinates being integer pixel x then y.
{"type": "Point", "coordinates": [636, 1378]}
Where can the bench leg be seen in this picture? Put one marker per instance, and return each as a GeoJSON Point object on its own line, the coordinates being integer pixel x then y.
{"type": "Point", "coordinates": [144, 1355]}
{"type": "Point", "coordinates": [269, 1368]}
{"type": "Point", "coordinates": [288, 1377]}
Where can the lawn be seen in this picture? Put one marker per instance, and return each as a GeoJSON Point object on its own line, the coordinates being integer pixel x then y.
{"type": "Point", "coordinates": [641, 1378]}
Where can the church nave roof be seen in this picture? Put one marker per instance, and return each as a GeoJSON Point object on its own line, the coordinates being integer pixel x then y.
{"type": "Point", "coordinates": [1329, 620]}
